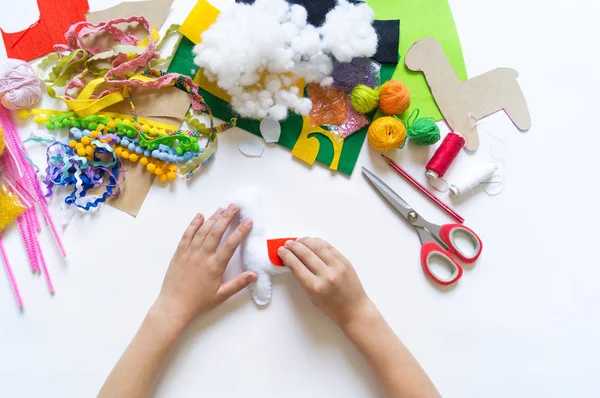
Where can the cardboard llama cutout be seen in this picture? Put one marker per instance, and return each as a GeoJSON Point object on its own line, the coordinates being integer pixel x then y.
{"type": "Point", "coordinates": [464, 103]}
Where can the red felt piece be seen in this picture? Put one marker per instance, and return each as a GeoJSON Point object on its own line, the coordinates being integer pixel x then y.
{"type": "Point", "coordinates": [272, 246]}
{"type": "Point", "coordinates": [56, 16]}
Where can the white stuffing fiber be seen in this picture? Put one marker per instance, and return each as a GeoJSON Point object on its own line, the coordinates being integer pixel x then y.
{"type": "Point", "coordinates": [259, 53]}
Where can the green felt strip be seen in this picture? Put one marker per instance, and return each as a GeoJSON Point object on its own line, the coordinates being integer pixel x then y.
{"type": "Point", "coordinates": [420, 19]}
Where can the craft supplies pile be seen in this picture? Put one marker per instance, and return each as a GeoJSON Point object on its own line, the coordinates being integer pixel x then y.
{"type": "Point", "coordinates": [135, 101]}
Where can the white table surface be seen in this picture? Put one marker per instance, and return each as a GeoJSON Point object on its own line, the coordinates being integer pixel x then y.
{"type": "Point", "coordinates": [523, 322]}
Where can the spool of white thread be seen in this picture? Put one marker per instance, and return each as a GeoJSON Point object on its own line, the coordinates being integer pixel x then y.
{"type": "Point", "coordinates": [476, 176]}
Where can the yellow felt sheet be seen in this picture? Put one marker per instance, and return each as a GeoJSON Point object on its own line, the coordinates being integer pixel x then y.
{"type": "Point", "coordinates": [307, 148]}
{"type": "Point", "coordinates": [200, 18]}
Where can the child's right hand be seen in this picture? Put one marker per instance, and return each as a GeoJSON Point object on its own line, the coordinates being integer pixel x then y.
{"type": "Point", "coordinates": [328, 278]}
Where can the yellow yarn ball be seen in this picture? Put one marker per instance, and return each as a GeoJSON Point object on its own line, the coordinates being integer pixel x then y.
{"type": "Point", "coordinates": [394, 98]}
{"type": "Point", "coordinates": [364, 98]}
{"type": "Point", "coordinates": [386, 134]}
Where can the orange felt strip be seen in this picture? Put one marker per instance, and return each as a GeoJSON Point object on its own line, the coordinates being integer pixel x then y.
{"type": "Point", "coordinates": [272, 246]}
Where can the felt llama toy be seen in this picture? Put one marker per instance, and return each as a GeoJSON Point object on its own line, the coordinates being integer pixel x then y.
{"type": "Point", "coordinates": [464, 103]}
{"type": "Point", "coordinates": [259, 255]}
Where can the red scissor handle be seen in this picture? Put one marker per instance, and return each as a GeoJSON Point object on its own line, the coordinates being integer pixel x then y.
{"type": "Point", "coordinates": [431, 250]}
{"type": "Point", "coordinates": [447, 234]}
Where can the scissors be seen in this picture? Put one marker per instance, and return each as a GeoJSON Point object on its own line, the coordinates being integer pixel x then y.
{"type": "Point", "coordinates": [437, 240]}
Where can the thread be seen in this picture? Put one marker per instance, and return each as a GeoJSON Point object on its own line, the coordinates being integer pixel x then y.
{"type": "Point", "coordinates": [19, 85]}
{"type": "Point", "coordinates": [497, 159]}
{"type": "Point", "coordinates": [472, 179]}
{"type": "Point", "coordinates": [394, 98]}
{"type": "Point", "coordinates": [444, 156]}
{"type": "Point", "coordinates": [422, 131]}
{"type": "Point", "coordinates": [364, 99]}
{"type": "Point", "coordinates": [386, 134]}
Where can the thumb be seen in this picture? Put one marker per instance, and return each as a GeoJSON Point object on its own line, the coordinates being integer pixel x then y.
{"type": "Point", "coordinates": [234, 286]}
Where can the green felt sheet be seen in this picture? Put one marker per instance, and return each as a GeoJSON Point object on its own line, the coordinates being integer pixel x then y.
{"type": "Point", "coordinates": [183, 63]}
{"type": "Point", "coordinates": [420, 19]}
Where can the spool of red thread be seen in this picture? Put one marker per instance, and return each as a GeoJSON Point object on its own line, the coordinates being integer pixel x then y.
{"type": "Point", "coordinates": [444, 156]}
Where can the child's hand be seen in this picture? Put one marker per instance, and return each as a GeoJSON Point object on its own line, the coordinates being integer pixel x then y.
{"type": "Point", "coordinates": [328, 278]}
{"type": "Point", "coordinates": [194, 281]}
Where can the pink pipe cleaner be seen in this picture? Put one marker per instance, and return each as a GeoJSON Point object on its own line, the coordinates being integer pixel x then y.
{"type": "Point", "coordinates": [14, 140]}
{"type": "Point", "coordinates": [38, 250]}
{"type": "Point", "coordinates": [11, 276]}
{"type": "Point", "coordinates": [24, 230]}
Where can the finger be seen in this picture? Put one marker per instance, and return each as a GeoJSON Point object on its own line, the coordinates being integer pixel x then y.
{"type": "Point", "coordinates": [322, 249]}
{"type": "Point", "coordinates": [189, 233]}
{"type": "Point", "coordinates": [230, 245]}
{"type": "Point", "coordinates": [216, 233]}
{"type": "Point", "coordinates": [298, 269]}
{"type": "Point", "coordinates": [234, 286]}
{"type": "Point", "coordinates": [307, 256]}
{"type": "Point", "coordinates": [201, 233]}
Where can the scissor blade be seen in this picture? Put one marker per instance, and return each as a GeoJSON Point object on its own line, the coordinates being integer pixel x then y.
{"type": "Point", "coordinates": [388, 193]}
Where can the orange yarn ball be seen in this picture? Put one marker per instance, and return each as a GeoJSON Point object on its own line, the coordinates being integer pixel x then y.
{"type": "Point", "coordinates": [394, 98]}
{"type": "Point", "coordinates": [386, 134]}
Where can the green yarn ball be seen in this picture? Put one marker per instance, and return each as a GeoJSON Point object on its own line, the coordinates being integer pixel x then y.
{"type": "Point", "coordinates": [424, 131]}
{"type": "Point", "coordinates": [364, 98]}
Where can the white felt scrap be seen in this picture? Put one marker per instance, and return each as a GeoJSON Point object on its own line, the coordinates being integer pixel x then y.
{"type": "Point", "coordinates": [270, 129]}
{"type": "Point", "coordinates": [255, 255]}
{"type": "Point", "coordinates": [251, 145]}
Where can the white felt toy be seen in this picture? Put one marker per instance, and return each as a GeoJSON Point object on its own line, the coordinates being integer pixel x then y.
{"type": "Point", "coordinates": [255, 255]}
{"type": "Point", "coordinates": [258, 52]}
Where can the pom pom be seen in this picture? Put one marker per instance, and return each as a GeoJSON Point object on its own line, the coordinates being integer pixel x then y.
{"type": "Point", "coordinates": [151, 167]}
{"type": "Point", "coordinates": [171, 176]}
{"type": "Point", "coordinates": [162, 177]}
{"type": "Point", "coordinates": [386, 134]}
{"type": "Point", "coordinates": [19, 85]}
{"type": "Point", "coordinates": [364, 98]}
{"type": "Point", "coordinates": [394, 98]}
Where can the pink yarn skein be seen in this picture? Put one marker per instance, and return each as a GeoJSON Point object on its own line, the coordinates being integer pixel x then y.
{"type": "Point", "coordinates": [19, 85]}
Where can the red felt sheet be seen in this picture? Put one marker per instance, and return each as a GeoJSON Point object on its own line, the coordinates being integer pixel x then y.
{"type": "Point", "coordinates": [56, 16]}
